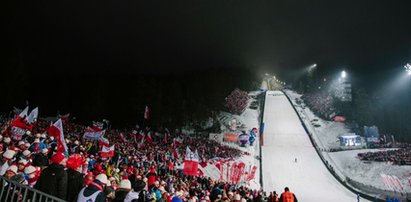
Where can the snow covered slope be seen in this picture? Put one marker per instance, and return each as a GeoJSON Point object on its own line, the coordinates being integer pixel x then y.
{"type": "Point", "coordinates": [286, 141]}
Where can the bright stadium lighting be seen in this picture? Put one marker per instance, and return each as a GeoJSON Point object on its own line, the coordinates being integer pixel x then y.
{"type": "Point", "coordinates": [408, 68]}
{"type": "Point", "coordinates": [343, 74]}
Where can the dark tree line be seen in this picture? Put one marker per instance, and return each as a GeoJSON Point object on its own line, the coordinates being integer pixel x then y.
{"type": "Point", "coordinates": [175, 99]}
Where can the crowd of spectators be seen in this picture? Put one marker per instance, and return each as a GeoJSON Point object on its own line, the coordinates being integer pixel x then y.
{"type": "Point", "coordinates": [321, 104]}
{"type": "Point", "coordinates": [237, 101]}
{"type": "Point", "coordinates": [400, 156]}
{"type": "Point", "coordinates": [138, 171]}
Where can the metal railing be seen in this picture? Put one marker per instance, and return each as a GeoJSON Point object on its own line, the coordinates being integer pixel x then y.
{"type": "Point", "coordinates": [14, 191]}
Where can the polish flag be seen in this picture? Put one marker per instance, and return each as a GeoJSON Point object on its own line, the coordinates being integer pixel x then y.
{"type": "Point", "coordinates": [148, 138]}
{"type": "Point", "coordinates": [191, 163]}
{"type": "Point", "coordinates": [122, 137]}
{"type": "Point", "coordinates": [176, 155]}
{"type": "Point", "coordinates": [147, 113]}
{"type": "Point", "coordinates": [107, 152]}
{"type": "Point", "coordinates": [20, 120]}
{"type": "Point", "coordinates": [178, 141]}
{"type": "Point", "coordinates": [56, 130]}
{"type": "Point", "coordinates": [104, 141]}
{"type": "Point", "coordinates": [32, 118]}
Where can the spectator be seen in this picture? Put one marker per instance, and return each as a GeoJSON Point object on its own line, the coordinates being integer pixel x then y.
{"type": "Point", "coordinates": [288, 196]}
{"type": "Point", "coordinates": [123, 190]}
{"type": "Point", "coordinates": [75, 180]}
{"type": "Point", "coordinates": [137, 194]}
{"type": "Point", "coordinates": [94, 192]}
{"type": "Point", "coordinates": [53, 179]}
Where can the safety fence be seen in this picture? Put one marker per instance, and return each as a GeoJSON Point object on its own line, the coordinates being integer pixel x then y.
{"type": "Point", "coordinates": [14, 191]}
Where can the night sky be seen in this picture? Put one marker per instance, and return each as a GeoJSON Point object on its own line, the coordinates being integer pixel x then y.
{"type": "Point", "coordinates": [47, 40]}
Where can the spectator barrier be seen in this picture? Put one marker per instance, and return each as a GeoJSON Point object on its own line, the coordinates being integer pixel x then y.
{"type": "Point", "coordinates": [14, 191]}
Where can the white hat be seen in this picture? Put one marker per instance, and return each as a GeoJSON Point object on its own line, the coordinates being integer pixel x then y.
{"type": "Point", "coordinates": [27, 145]}
{"type": "Point", "coordinates": [117, 170]}
{"type": "Point", "coordinates": [28, 132]}
{"type": "Point", "coordinates": [1, 137]}
{"type": "Point", "coordinates": [23, 161]}
{"type": "Point", "coordinates": [51, 138]}
{"type": "Point", "coordinates": [156, 183]}
{"type": "Point", "coordinates": [237, 197]}
{"type": "Point", "coordinates": [44, 151]}
{"type": "Point", "coordinates": [21, 143]}
{"type": "Point", "coordinates": [38, 135]}
{"type": "Point", "coordinates": [26, 152]}
{"type": "Point", "coordinates": [102, 178]}
{"type": "Point", "coordinates": [9, 154]}
{"type": "Point", "coordinates": [76, 142]}
{"type": "Point", "coordinates": [111, 178]}
{"type": "Point", "coordinates": [30, 170]}
{"type": "Point", "coordinates": [37, 140]}
{"type": "Point", "coordinates": [162, 190]}
{"type": "Point", "coordinates": [125, 184]}
{"type": "Point", "coordinates": [43, 135]}
{"type": "Point", "coordinates": [6, 140]}
{"type": "Point", "coordinates": [108, 183]}
{"type": "Point", "coordinates": [12, 168]}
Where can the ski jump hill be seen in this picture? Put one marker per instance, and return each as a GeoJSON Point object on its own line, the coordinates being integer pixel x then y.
{"type": "Point", "coordinates": [289, 159]}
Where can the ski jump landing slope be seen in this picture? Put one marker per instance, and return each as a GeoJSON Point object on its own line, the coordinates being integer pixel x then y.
{"type": "Point", "coordinates": [286, 140]}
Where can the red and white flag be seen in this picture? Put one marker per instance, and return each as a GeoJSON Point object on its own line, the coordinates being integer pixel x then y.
{"type": "Point", "coordinates": [20, 121]}
{"type": "Point", "coordinates": [97, 126]}
{"type": "Point", "coordinates": [65, 117]}
{"type": "Point", "coordinates": [191, 163]}
{"type": "Point", "coordinates": [178, 141]}
{"type": "Point", "coordinates": [104, 141]}
{"type": "Point", "coordinates": [176, 154]}
{"type": "Point", "coordinates": [56, 130]}
{"type": "Point", "coordinates": [122, 137]}
{"type": "Point", "coordinates": [148, 138]}
{"type": "Point", "coordinates": [107, 152]}
{"type": "Point", "coordinates": [147, 113]}
{"type": "Point", "coordinates": [32, 117]}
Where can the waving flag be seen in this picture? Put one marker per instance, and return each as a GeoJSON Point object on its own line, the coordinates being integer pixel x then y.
{"type": "Point", "coordinates": [32, 117]}
{"type": "Point", "coordinates": [147, 113]}
{"type": "Point", "coordinates": [20, 121]}
{"type": "Point", "coordinates": [91, 134]}
{"type": "Point", "coordinates": [56, 130]}
{"type": "Point", "coordinates": [107, 152]}
{"type": "Point", "coordinates": [148, 138]}
{"type": "Point", "coordinates": [178, 141]}
{"type": "Point", "coordinates": [191, 163]}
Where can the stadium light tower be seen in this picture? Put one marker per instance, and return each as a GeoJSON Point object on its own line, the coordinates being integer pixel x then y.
{"type": "Point", "coordinates": [408, 68]}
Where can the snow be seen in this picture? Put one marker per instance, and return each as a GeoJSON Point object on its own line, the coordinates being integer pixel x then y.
{"type": "Point", "coordinates": [367, 175]}
{"type": "Point", "coordinates": [286, 140]}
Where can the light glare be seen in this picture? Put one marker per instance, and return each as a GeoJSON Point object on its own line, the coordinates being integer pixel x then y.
{"type": "Point", "coordinates": [343, 74]}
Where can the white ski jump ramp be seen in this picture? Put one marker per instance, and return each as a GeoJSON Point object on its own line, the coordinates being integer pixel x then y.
{"type": "Point", "coordinates": [286, 140]}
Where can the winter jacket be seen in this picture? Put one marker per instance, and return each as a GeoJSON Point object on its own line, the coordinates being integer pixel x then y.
{"type": "Point", "coordinates": [120, 196]}
{"type": "Point", "coordinates": [91, 189]}
{"type": "Point", "coordinates": [288, 197]}
{"type": "Point", "coordinates": [75, 182]}
{"type": "Point", "coordinates": [53, 181]}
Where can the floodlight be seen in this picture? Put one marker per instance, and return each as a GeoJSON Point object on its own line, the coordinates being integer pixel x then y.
{"type": "Point", "coordinates": [408, 68]}
{"type": "Point", "coordinates": [343, 74]}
